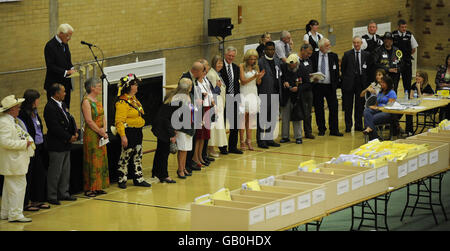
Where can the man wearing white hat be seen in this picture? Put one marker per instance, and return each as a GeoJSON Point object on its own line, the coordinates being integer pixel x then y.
{"type": "Point", "coordinates": [16, 148]}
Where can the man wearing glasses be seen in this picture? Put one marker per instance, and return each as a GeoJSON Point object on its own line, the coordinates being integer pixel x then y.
{"type": "Point", "coordinates": [58, 61]}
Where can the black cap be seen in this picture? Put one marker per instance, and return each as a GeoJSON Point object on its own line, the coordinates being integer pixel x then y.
{"type": "Point", "coordinates": [388, 35]}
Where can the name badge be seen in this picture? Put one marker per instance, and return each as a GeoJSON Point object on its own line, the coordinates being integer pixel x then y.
{"type": "Point", "coordinates": [334, 67]}
{"type": "Point", "coordinates": [385, 56]}
{"type": "Point", "coordinates": [317, 49]}
{"type": "Point", "coordinates": [306, 63]}
{"type": "Point", "coordinates": [364, 66]}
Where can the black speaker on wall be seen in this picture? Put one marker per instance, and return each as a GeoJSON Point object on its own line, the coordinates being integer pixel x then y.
{"type": "Point", "coordinates": [220, 27]}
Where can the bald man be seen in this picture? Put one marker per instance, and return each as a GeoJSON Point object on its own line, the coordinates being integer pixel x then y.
{"type": "Point", "coordinates": [354, 69]}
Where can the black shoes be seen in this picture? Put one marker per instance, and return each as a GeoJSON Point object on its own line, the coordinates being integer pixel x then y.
{"type": "Point", "coordinates": [69, 198]}
{"type": "Point", "coordinates": [284, 140]}
{"type": "Point", "coordinates": [336, 134]}
{"type": "Point", "coordinates": [321, 133]}
{"type": "Point", "coordinates": [122, 185]}
{"type": "Point", "coordinates": [298, 141]}
{"type": "Point", "coordinates": [272, 143]}
{"type": "Point", "coordinates": [54, 202]}
{"type": "Point", "coordinates": [263, 145]}
{"type": "Point", "coordinates": [195, 167]}
{"type": "Point", "coordinates": [141, 184]}
{"type": "Point", "coordinates": [235, 151]}
{"type": "Point", "coordinates": [348, 130]}
{"type": "Point", "coordinates": [166, 180]}
{"type": "Point", "coordinates": [310, 136]}
{"type": "Point", "coordinates": [223, 150]}
{"type": "Point", "coordinates": [181, 176]}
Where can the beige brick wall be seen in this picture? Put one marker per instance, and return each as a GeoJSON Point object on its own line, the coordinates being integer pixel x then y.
{"type": "Point", "coordinates": [150, 27]}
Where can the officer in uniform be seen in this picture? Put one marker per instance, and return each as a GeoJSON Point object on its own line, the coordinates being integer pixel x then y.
{"type": "Point", "coordinates": [371, 42]}
{"type": "Point", "coordinates": [389, 58]}
{"type": "Point", "coordinates": [405, 41]}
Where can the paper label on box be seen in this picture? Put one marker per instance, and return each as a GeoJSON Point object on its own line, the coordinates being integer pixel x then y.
{"type": "Point", "coordinates": [357, 182]}
{"type": "Point", "coordinates": [256, 215]}
{"type": "Point", "coordinates": [423, 159]}
{"type": "Point", "coordinates": [370, 177]}
{"type": "Point", "coordinates": [434, 157]}
{"type": "Point", "coordinates": [287, 207]}
{"type": "Point", "coordinates": [412, 165]}
{"type": "Point", "coordinates": [402, 170]}
{"type": "Point", "coordinates": [303, 201]}
{"type": "Point", "coordinates": [318, 196]}
{"type": "Point", "coordinates": [272, 210]}
{"type": "Point", "coordinates": [343, 187]}
{"type": "Point", "coordinates": [382, 173]}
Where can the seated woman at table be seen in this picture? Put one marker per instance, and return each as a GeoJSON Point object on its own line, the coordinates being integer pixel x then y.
{"type": "Point", "coordinates": [375, 87]}
{"type": "Point", "coordinates": [422, 88]}
{"type": "Point", "coordinates": [373, 116]}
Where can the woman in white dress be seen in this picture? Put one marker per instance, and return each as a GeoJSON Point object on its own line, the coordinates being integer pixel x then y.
{"type": "Point", "coordinates": [218, 136]}
{"type": "Point", "coordinates": [249, 77]}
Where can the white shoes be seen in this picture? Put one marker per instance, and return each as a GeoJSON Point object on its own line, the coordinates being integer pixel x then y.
{"type": "Point", "coordinates": [23, 220]}
{"type": "Point", "coordinates": [215, 155]}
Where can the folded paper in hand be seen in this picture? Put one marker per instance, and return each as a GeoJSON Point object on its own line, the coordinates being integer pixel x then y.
{"type": "Point", "coordinates": [103, 142]}
{"type": "Point", "coordinates": [317, 75]}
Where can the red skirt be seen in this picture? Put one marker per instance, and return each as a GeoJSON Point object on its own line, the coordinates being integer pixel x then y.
{"type": "Point", "coordinates": [204, 133]}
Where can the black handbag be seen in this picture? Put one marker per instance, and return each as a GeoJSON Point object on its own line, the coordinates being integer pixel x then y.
{"type": "Point", "coordinates": [297, 113]}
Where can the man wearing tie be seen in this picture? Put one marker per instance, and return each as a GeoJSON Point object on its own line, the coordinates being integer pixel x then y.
{"type": "Point", "coordinates": [355, 64]}
{"type": "Point", "coordinates": [328, 63]}
{"type": "Point", "coordinates": [283, 47]}
{"type": "Point", "coordinates": [62, 132]}
{"type": "Point", "coordinates": [230, 74]}
{"type": "Point", "coordinates": [58, 61]}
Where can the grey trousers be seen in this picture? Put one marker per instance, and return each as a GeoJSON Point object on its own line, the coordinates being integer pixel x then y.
{"type": "Point", "coordinates": [58, 177]}
{"type": "Point", "coordinates": [286, 122]}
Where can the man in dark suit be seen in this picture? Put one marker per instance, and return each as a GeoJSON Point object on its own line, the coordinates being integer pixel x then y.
{"type": "Point", "coordinates": [193, 74]}
{"type": "Point", "coordinates": [328, 63]}
{"type": "Point", "coordinates": [62, 132]}
{"type": "Point", "coordinates": [354, 68]}
{"type": "Point", "coordinates": [270, 84]}
{"type": "Point", "coordinates": [58, 61]}
{"type": "Point", "coordinates": [230, 74]}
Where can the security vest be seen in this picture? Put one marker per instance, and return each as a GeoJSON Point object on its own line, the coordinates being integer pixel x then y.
{"type": "Point", "coordinates": [404, 44]}
{"type": "Point", "coordinates": [371, 44]}
{"type": "Point", "coordinates": [313, 43]}
{"type": "Point", "coordinates": [385, 60]}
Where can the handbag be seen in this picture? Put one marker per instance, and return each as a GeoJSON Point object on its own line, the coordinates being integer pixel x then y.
{"type": "Point", "coordinates": [173, 148]}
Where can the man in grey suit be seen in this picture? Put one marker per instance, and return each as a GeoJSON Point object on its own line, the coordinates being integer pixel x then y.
{"type": "Point", "coordinates": [269, 92]}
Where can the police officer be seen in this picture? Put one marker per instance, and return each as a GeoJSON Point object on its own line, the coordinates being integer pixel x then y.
{"type": "Point", "coordinates": [371, 42]}
{"type": "Point", "coordinates": [405, 41]}
{"type": "Point", "coordinates": [389, 58]}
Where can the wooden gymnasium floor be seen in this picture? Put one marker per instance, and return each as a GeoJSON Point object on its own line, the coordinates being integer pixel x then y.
{"type": "Point", "coordinates": [167, 206]}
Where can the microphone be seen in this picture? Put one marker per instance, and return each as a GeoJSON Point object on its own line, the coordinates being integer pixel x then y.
{"type": "Point", "coordinates": [88, 44]}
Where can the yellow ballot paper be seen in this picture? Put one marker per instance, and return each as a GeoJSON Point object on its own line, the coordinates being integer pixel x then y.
{"type": "Point", "coordinates": [222, 194]}
{"type": "Point", "coordinates": [251, 185]}
{"type": "Point", "coordinates": [204, 200]}
{"type": "Point", "coordinates": [309, 166]}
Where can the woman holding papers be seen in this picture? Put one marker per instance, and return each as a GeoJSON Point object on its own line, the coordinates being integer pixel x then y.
{"type": "Point", "coordinates": [373, 116]}
{"type": "Point", "coordinates": [95, 159]}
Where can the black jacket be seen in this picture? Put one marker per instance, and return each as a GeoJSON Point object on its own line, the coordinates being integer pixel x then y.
{"type": "Point", "coordinates": [57, 62]}
{"type": "Point", "coordinates": [348, 66]}
{"type": "Point", "coordinates": [384, 61]}
{"type": "Point", "coordinates": [162, 127]}
{"type": "Point", "coordinates": [236, 73]}
{"type": "Point", "coordinates": [292, 78]}
{"type": "Point", "coordinates": [333, 66]}
{"type": "Point", "coordinates": [60, 129]}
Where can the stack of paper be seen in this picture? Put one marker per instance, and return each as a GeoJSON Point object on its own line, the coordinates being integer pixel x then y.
{"type": "Point", "coordinates": [251, 185]}
{"type": "Point", "coordinates": [221, 194]}
{"type": "Point", "coordinates": [309, 166]}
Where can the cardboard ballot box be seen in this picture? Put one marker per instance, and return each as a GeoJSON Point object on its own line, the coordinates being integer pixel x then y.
{"type": "Point", "coordinates": [272, 208]}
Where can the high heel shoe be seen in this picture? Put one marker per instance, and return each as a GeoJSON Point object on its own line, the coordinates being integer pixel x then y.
{"type": "Point", "coordinates": [249, 144]}
{"type": "Point", "coordinates": [243, 146]}
{"type": "Point", "coordinates": [180, 176]}
{"type": "Point", "coordinates": [187, 174]}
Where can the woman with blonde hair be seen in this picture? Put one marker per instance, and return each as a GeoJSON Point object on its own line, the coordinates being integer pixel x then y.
{"type": "Point", "coordinates": [250, 76]}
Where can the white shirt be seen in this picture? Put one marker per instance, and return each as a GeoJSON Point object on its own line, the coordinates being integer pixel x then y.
{"type": "Point", "coordinates": [280, 50]}
{"type": "Point", "coordinates": [204, 88]}
{"type": "Point", "coordinates": [414, 43]}
{"type": "Point", "coordinates": [231, 69]}
{"type": "Point", "coordinates": [327, 79]}
{"type": "Point", "coordinates": [314, 37]}
{"type": "Point", "coordinates": [60, 106]}
{"type": "Point", "coordinates": [359, 57]}
{"type": "Point", "coordinates": [60, 41]}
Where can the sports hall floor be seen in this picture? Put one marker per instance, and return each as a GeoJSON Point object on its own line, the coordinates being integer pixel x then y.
{"type": "Point", "coordinates": [166, 207]}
